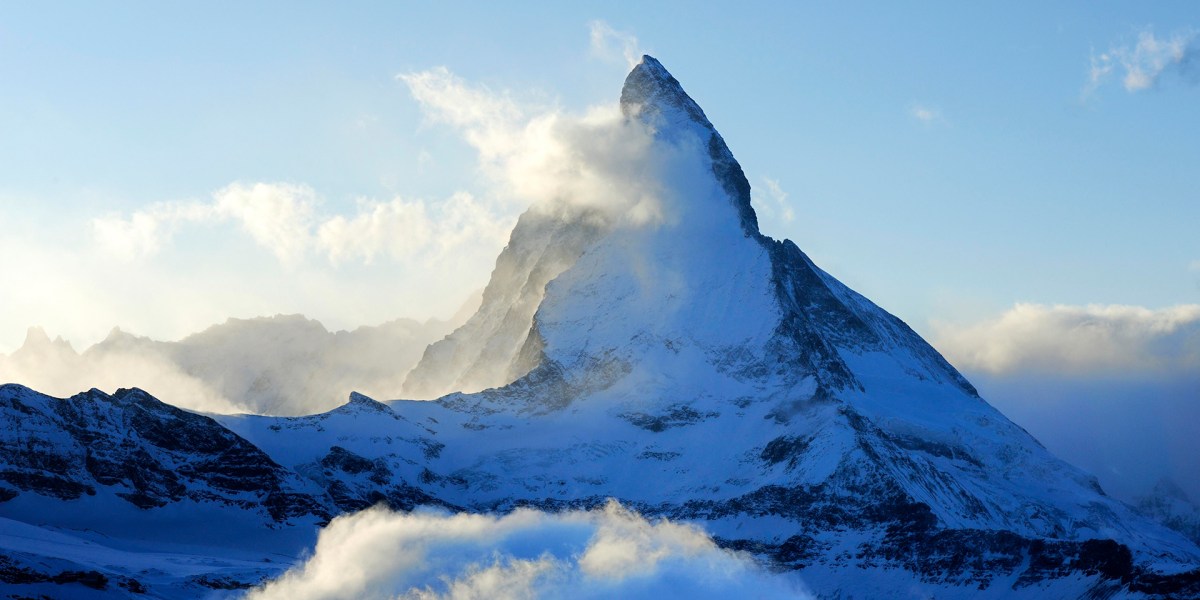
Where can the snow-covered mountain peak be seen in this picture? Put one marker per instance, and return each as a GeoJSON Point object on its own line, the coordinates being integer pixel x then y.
{"type": "Point", "coordinates": [651, 90]}
{"type": "Point", "coordinates": [579, 297]}
{"type": "Point", "coordinates": [653, 95]}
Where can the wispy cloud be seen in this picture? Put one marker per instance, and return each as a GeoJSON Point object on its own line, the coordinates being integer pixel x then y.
{"type": "Point", "coordinates": [610, 44]}
{"type": "Point", "coordinates": [608, 553]}
{"type": "Point", "coordinates": [771, 202]}
{"type": "Point", "coordinates": [924, 114]}
{"type": "Point", "coordinates": [1140, 65]}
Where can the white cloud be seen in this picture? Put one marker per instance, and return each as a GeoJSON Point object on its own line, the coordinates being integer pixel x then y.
{"type": "Point", "coordinates": [1142, 63]}
{"type": "Point", "coordinates": [284, 219]}
{"type": "Point", "coordinates": [598, 161]}
{"type": "Point", "coordinates": [925, 114]}
{"type": "Point", "coordinates": [403, 230]}
{"type": "Point", "coordinates": [608, 553]}
{"type": "Point", "coordinates": [278, 216]}
{"type": "Point", "coordinates": [145, 231]}
{"type": "Point", "coordinates": [1078, 339]}
{"type": "Point", "coordinates": [488, 118]}
{"type": "Point", "coordinates": [608, 43]}
{"type": "Point", "coordinates": [772, 205]}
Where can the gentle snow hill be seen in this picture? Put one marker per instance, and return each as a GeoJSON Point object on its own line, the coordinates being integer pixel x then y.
{"type": "Point", "coordinates": [691, 368]}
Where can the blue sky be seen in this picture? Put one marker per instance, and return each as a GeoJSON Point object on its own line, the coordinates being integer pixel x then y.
{"type": "Point", "coordinates": [946, 160]}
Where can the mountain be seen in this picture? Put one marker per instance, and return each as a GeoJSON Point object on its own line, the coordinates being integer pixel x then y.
{"type": "Point", "coordinates": [686, 365]}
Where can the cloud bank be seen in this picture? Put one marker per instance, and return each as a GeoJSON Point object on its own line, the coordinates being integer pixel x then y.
{"type": "Point", "coordinates": [606, 553]}
{"type": "Point", "coordinates": [1093, 339]}
{"type": "Point", "coordinates": [1141, 64]}
{"type": "Point", "coordinates": [1113, 389]}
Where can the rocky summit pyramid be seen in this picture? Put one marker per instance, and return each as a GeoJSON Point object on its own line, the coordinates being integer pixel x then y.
{"type": "Point", "coordinates": [686, 365]}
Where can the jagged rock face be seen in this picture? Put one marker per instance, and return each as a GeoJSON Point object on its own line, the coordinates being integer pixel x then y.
{"type": "Point", "coordinates": [144, 452]}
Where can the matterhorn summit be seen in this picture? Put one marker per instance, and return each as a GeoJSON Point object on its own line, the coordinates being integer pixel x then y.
{"type": "Point", "coordinates": [666, 354]}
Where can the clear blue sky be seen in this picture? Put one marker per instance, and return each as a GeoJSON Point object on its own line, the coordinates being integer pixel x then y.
{"type": "Point", "coordinates": [945, 159]}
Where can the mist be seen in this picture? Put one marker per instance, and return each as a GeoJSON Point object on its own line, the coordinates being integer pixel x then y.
{"type": "Point", "coordinates": [283, 365]}
{"type": "Point", "coordinates": [55, 368]}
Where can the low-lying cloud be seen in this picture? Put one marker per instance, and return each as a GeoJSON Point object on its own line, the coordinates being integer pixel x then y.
{"type": "Point", "coordinates": [1141, 64]}
{"type": "Point", "coordinates": [281, 365]}
{"type": "Point", "coordinates": [606, 553]}
{"type": "Point", "coordinates": [54, 368]}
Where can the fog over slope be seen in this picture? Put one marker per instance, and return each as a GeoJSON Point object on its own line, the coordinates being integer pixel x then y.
{"type": "Point", "coordinates": [280, 365]}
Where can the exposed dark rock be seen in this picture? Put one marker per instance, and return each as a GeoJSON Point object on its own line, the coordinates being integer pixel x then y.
{"type": "Point", "coordinates": [785, 448]}
{"type": "Point", "coordinates": [677, 415]}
